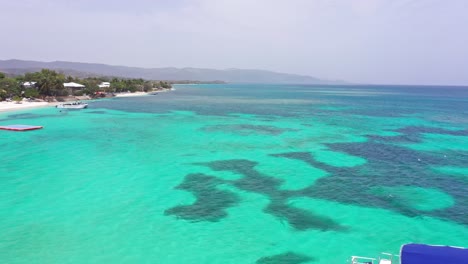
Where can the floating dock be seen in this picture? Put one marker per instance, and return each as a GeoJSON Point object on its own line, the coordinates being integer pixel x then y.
{"type": "Point", "coordinates": [19, 127]}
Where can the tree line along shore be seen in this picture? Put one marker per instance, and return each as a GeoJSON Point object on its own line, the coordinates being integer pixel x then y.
{"type": "Point", "coordinates": [51, 86]}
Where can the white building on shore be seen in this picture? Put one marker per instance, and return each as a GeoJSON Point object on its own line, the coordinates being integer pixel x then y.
{"type": "Point", "coordinates": [104, 85]}
{"type": "Point", "coordinates": [29, 84]}
{"type": "Point", "coordinates": [72, 86]}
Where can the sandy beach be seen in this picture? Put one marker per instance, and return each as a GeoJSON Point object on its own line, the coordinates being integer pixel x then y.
{"type": "Point", "coordinates": [142, 93]}
{"type": "Point", "coordinates": [12, 106]}
{"type": "Point", "coordinates": [131, 94]}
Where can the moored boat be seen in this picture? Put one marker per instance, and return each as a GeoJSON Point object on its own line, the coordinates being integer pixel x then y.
{"type": "Point", "coordinates": [74, 105]}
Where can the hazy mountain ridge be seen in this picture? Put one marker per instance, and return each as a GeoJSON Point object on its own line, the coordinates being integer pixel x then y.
{"type": "Point", "coordinates": [169, 73]}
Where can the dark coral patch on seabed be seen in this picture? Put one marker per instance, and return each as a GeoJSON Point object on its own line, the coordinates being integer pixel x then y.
{"type": "Point", "coordinates": [246, 129]}
{"type": "Point", "coordinates": [97, 112]}
{"type": "Point", "coordinates": [302, 219]}
{"type": "Point", "coordinates": [285, 258]}
{"type": "Point", "coordinates": [210, 202]}
{"type": "Point", "coordinates": [411, 130]}
{"type": "Point", "coordinates": [252, 181]}
{"type": "Point", "coordinates": [413, 134]}
{"type": "Point", "coordinates": [388, 165]}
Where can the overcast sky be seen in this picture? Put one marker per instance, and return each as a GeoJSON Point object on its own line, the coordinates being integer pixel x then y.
{"type": "Point", "coordinates": [364, 41]}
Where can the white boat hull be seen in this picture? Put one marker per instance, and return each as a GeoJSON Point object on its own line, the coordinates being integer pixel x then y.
{"type": "Point", "coordinates": [72, 106]}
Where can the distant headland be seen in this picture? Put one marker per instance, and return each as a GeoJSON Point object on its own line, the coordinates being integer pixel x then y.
{"type": "Point", "coordinates": [179, 75]}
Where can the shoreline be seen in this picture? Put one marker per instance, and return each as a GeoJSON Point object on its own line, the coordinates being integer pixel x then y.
{"type": "Point", "coordinates": [130, 94]}
{"type": "Point", "coordinates": [142, 93]}
{"type": "Point", "coordinates": [12, 106]}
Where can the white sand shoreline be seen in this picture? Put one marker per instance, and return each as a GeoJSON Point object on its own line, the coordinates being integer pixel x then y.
{"type": "Point", "coordinates": [12, 106]}
{"type": "Point", "coordinates": [142, 93]}
{"type": "Point", "coordinates": [131, 94]}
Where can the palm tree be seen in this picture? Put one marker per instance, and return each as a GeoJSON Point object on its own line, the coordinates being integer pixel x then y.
{"type": "Point", "coordinates": [50, 83]}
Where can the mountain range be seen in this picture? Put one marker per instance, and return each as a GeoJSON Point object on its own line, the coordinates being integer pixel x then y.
{"type": "Point", "coordinates": [79, 69]}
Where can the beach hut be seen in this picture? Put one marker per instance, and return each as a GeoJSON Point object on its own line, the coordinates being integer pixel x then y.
{"type": "Point", "coordinates": [72, 87]}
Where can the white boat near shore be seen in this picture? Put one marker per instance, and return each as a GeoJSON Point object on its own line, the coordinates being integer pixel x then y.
{"type": "Point", "coordinates": [74, 105]}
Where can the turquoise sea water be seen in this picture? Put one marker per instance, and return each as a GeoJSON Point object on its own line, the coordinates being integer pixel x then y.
{"type": "Point", "coordinates": [237, 174]}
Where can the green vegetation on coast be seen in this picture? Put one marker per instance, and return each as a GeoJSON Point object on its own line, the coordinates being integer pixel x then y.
{"type": "Point", "coordinates": [48, 83]}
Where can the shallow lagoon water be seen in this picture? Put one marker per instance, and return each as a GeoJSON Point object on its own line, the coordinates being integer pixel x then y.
{"type": "Point", "coordinates": [237, 174]}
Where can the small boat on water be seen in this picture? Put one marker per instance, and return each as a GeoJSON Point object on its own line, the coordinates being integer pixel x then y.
{"type": "Point", "coordinates": [74, 105]}
{"type": "Point", "coordinates": [19, 127]}
{"type": "Point", "coordinates": [419, 254]}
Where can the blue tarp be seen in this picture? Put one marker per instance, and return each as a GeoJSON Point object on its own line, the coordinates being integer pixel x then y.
{"type": "Point", "coordinates": [427, 254]}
